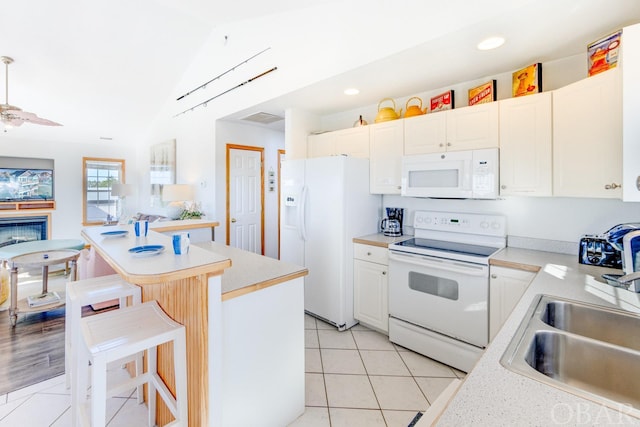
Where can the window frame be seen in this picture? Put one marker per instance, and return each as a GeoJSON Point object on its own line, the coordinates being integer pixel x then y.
{"type": "Point", "coordinates": [85, 190]}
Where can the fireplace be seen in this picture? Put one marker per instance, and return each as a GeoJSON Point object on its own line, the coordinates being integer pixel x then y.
{"type": "Point", "coordinates": [23, 229]}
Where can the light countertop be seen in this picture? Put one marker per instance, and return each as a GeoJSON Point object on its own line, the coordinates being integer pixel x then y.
{"type": "Point", "coordinates": [185, 224]}
{"type": "Point", "coordinates": [493, 395]}
{"type": "Point", "coordinates": [250, 272]}
{"type": "Point", "coordinates": [379, 239]}
{"type": "Point", "coordinates": [152, 269]}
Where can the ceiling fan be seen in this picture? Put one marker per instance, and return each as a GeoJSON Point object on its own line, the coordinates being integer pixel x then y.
{"type": "Point", "coordinates": [12, 116]}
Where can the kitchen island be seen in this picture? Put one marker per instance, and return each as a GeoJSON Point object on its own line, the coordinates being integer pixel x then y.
{"type": "Point", "coordinates": [493, 395]}
{"type": "Point", "coordinates": [227, 343]}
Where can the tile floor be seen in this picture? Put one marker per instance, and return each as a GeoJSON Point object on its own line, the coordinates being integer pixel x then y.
{"type": "Point", "coordinates": [353, 378]}
{"type": "Point", "coordinates": [359, 378]}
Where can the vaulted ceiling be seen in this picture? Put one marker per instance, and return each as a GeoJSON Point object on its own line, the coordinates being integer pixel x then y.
{"type": "Point", "coordinates": [105, 68]}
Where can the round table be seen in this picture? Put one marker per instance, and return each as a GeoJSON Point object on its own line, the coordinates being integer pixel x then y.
{"type": "Point", "coordinates": [40, 259]}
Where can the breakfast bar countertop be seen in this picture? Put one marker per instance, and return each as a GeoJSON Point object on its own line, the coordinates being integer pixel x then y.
{"type": "Point", "coordinates": [493, 395]}
{"type": "Point", "coordinates": [154, 268]}
{"type": "Point", "coordinates": [249, 271]}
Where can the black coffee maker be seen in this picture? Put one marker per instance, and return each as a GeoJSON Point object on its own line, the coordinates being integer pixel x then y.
{"type": "Point", "coordinates": [392, 224]}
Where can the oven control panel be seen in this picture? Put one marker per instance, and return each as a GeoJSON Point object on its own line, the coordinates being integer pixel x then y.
{"type": "Point", "coordinates": [484, 224]}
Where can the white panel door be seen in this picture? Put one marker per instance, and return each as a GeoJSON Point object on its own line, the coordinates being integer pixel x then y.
{"type": "Point", "coordinates": [245, 200]}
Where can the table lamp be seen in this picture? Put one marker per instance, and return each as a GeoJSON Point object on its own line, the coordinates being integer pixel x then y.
{"type": "Point", "coordinates": [121, 191]}
{"type": "Point", "coordinates": [177, 195]}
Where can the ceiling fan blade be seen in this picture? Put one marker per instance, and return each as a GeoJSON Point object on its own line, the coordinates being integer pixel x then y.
{"type": "Point", "coordinates": [12, 122]}
{"type": "Point", "coordinates": [29, 118]}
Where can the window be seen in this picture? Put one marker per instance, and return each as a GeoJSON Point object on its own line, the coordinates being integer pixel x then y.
{"type": "Point", "coordinates": [98, 205]}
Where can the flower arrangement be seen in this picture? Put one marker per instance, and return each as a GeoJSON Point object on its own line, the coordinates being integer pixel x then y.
{"type": "Point", "coordinates": [192, 212]}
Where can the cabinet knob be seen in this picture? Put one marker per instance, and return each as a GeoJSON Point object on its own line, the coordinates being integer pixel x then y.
{"type": "Point", "coordinates": [384, 273]}
{"type": "Point", "coordinates": [612, 186]}
{"type": "Point", "coordinates": [448, 144]}
{"type": "Point", "coordinates": [493, 276]}
{"type": "Point", "coordinates": [504, 187]}
{"type": "Point", "coordinates": [368, 253]}
{"type": "Point", "coordinates": [441, 145]}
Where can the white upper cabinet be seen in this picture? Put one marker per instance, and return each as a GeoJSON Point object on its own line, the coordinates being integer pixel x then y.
{"type": "Point", "coordinates": [630, 108]}
{"type": "Point", "coordinates": [351, 142]}
{"type": "Point", "coordinates": [525, 146]}
{"type": "Point", "coordinates": [425, 134]}
{"type": "Point", "coordinates": [465, 128]}
{"type": "Point", "coordinates": [587, 137]}
{"type": "Point", "coordinates": [386, 149]}
{"type": "Point", "coordinates": [473, 127]}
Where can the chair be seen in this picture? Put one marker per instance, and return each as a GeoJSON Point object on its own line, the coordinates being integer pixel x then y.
{"type": "Point", "coordinates": [119, 334]}
{"type": "Point", "coordinates": [92, 291]}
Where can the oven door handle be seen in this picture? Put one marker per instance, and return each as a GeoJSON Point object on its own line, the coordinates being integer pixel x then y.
{"type": "Point", "coordinates": [454, 266]}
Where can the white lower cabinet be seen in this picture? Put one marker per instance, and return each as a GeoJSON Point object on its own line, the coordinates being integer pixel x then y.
{"type": "Point", "coordinates": [506, 287]}
{"type": "Point", "coordinates": [370, 286]}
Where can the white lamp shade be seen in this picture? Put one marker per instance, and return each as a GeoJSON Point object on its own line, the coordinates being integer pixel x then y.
{"type": "Point", "coordinates": [177, 193]}
{"type": "Point", "coordinates": [121, 190]}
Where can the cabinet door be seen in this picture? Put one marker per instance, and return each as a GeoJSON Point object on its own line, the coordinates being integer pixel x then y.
{"type": "Point", "coordinates": [370, 299]}
{"type": "Point", "coordinates": [353, 142]}
{"type": "Point", "coordinates": [321, 145]}
{"type": "Point", "coordinates": [473, 127]}
{"type": "Point", "coordinates": [386, 149]}
{"type": "Point", "coordinates": [506, 287]}
{"type": "Point", "coordinates": [425, 134]}
{"type": "Point", "coordinates": [587, 137]}
{"type": "Point", "coordinates": [525, 146]}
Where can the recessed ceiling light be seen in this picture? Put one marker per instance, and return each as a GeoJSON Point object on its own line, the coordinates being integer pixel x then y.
{"type": "Point", "coordinates": [351, 91]}
{"type": "Point", "coordinates": [491, 43]}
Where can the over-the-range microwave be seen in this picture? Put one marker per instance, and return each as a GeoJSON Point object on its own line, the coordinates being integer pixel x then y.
{"type": "Point", "coordinates": [471, 174]}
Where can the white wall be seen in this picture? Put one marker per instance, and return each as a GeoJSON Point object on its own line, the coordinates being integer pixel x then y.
{"type": "Point", "coordinates": [255, 136]}
{"type": "Point", "coordinates": [550, 218]}
{"type": "Point", "coordinates": [67, 217]}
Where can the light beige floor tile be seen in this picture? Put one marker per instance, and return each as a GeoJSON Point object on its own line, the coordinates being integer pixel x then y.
{"type": "Point", "coordinates": [421, 366]}
{"type": "Point", "coordinates": [321, 324]}
{"type": "Point", "coordinates": [335, 339]}
{"type": "Point", "coordinates": [350, 391]}
{"type": "Point", "coordinates": [398, 418]}
{"type": "Point", "coordinates": [371, 340]}
{"type": "Point", "coordinates": [312, 417]}
{"type": "Point", "coordinates": [401, 393]}
{"type": "Point", "coordinates": [35, 388]}
{"type": "Point", "coordinates": [336, 361]}
{"type": "Point", "coordinates": [343, 417]}
{"type": "Point", "coordinates": [315, 394]}
{"type": "Point", "coordinates": [312, 362]}
{"type": "Point", "coordinates": [309, 322]}
{"type": "Point", "coordinates": [432, 387]}
{"type": "Point", "coordinates": [311, 338]}
{"type": "Point", "coordinates": [459, 373]}
{"type": "Point", "coordinates": [38, 410]}
{"type": "Point", "coordinates": [378, 362]}
{"type": "Point", "coordinates": [130, 414]}
{"type": "Point", "coordinates": [360, 327]}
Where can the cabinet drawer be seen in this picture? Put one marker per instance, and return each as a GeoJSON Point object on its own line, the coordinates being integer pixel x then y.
{"type": "Point", "coordinates": [371, 253]}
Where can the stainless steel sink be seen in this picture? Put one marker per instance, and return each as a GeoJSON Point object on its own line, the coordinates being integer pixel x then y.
{"type": "Point", "coordinates": [599, 323]}
{"type": "Point", "coordinates": [588, 350]}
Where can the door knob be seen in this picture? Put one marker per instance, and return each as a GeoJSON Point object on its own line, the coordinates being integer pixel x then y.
{"type": "Point", "coordinates": [233, 220]}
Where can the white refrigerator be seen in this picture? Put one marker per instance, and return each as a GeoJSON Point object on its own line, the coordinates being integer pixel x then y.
{"type": "Point", "coordinates": [325, 203]}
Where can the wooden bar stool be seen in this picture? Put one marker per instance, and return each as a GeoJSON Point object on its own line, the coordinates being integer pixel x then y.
{"type": "Point", "coordinates": [119, 334]}
{"type": "Point", "coordinates": [87, 292]}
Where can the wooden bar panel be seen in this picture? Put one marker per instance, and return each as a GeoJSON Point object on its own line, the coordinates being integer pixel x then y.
{"type": "Point", "coordinates": [185, 301]}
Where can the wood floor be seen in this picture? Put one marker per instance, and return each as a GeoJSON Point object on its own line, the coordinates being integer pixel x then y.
{"type": "Point", "coordinates": [33, 351]}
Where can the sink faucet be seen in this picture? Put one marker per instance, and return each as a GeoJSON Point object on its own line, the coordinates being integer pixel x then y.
{"type": "Point", "coordinates": [630, 281]}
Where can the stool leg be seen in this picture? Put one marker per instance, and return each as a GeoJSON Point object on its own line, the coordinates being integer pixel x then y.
{"type": "Point", "coordinates": [80, 383]}
{"type": "Point", "coordinates": [180, 368]}
{"type": "Point", "coordinates": [98, 391]}
{"type": "Point", "coordinates": [152, 368]}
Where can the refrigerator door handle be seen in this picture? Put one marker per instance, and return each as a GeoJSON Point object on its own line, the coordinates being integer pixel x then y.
{"type": "Point", "coordinates": [302, 215]}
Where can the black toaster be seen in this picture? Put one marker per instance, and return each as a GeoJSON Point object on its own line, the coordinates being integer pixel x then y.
{"type": "Point", "coordinates": [595, 250]}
